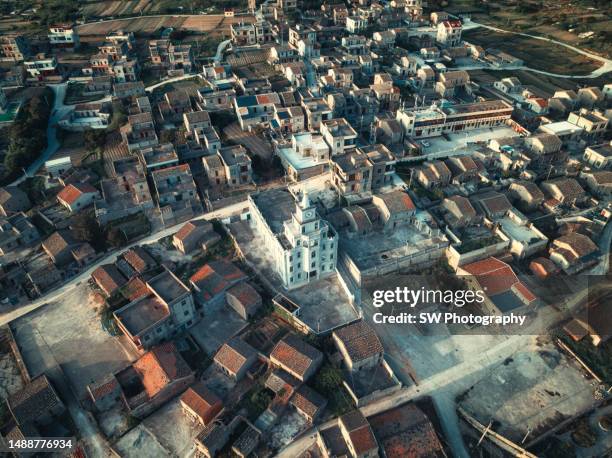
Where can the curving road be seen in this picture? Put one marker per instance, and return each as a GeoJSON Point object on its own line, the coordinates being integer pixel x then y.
{"type": "Point", "coordinates": [58, 112]}
{"type": "Point", "coordinates": [606, 64]}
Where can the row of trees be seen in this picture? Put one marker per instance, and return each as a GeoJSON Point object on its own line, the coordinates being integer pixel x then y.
{"type": "Point", "coordinates": [27, 137]}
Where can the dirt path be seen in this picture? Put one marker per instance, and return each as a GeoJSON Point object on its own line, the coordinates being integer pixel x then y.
{"type": "Point", "coordinates": [603, 69]}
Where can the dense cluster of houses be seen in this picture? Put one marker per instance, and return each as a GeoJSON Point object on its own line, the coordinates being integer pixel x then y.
{"type": "Point", "coordinates": [389, 158]}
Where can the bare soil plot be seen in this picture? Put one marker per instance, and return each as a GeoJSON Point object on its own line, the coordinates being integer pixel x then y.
{"type": "Point", "coordinates": [537, 54]}
{"type": "Point", "coordinates": [532, 391]}
{"type": "Point", "coordinates": [174, 430]}
{"type": "Point", "coordinates": [116, 7]}
{"type": "Point", "coordinates": [214, 23]}
{"type": "Point", "coordinates": [563, 20]}
{"type": "Point", "coordinates": [140, 442]}
{"type": "Point", "coordinates": [72, 330]}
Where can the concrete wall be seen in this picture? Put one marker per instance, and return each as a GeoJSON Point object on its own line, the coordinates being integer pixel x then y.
{"type": "Point", "coordinates": [456, 259]}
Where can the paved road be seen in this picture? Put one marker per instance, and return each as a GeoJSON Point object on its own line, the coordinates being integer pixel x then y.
{"type": "Point", "coordinates": [109, 258]}
{"type": "Point", "coordinates": [171, 80]}
{"type": "Point", "coordinates": [603, 69]}
{"type": "Point", "coordinates": [58, 112]}
{"type": "Point", "coordinates": [220, 49]}
{"type": "Point", "coordinates": [444, 385]}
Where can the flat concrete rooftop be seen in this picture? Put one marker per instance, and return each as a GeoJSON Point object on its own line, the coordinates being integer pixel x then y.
{"type": "Point", "coordinates": [167, 286]}
{"type": "Point", "coordinates": [141, 314]}
{"type": "Point", "coordinates": [378, 247]}
{"type": "Point", "coordinates": [276, 206]}
{"type": "Point", "coordinates": [324, 305]}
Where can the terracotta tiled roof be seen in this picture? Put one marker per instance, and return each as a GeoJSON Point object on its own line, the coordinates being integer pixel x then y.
{"type": "Point", "coordinates": [359, 432]}
{"type": "Point", "coordinates": [34, 400]}
{"type": "Point", "coordinates": [579, 244]}
{"type": "Point", "coordinates": [360, 340]}
{"type": "Point", "coordinates": [103, 388]}
{"type": "Point", "coordinates": [139, 259]}
{"type": "Point", "coordinates": [495, 277]}
{"type": "Point", "coordinates": [234, 354]}
{"type": "Point", "coordinates": [397, 201]}
{"type": "Point", "coordinates": [191, 226]}
{"type": "Point", "coordinates": [405, 431]}
{"type": "Point", "coordinates": [463, 205]}
{"type": "Point", "coordinates": [160, 366]}
{"type": "Point", "coordinates": [135, 289]}
{"type": "Point", "coordinates": [58, 241]}
{"type": "Point", "coordinates": [568, 187]}
{"type": "Point", "coordinates": [202, 401]}
{"type": "Point", "coordinates": [295, 354]}
{"type": "Point", "coordinates": [72, 192]}
{"type": "Point", "coordinates": [245, 294]}
{"type": "Point", "coordinates": [308, 401]}
{"type": "Point", "coordinates": [227, 270]}
{"type": "Point", "coordinates": [494, 202]}
{"type": "Point", "coordinates": [215, 277]}
{"type": "Point", "coordinates": [108, 278]}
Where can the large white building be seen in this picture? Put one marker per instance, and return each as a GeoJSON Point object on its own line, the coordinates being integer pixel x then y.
{"type": "Point", "coordinates": [449, 33]}
{"type": "Point", "coordinates": [434, 121]}
{"type": "Point", "coordinates": [64, 36]}
{"type": "Point", "coordinates": [301, 246]}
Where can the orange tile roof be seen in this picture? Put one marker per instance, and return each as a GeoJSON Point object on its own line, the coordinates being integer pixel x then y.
{"type": "Point", "coordinates": [135, 289]}
{"type": "Point", "coordinates": [234, 354]}
{"type": "Point", "coordinates": [202, 402]}
{"type": "Point", "coordinates": [72, 192]}
{"type": "Point", "coordinates": [295, 354]}
{"type": "Point", "coordinates": [103, 388]}
{"type": "Point", "coordinates": [108, 278]}
{"type": "Point", "coordinates": [139, 259]}
{"type": "Point", "coordinates": [160, 366]}
{"type": "Point", "coordinates": [495, 277]}
{"type": "Point", "coordinates": [245, 294]}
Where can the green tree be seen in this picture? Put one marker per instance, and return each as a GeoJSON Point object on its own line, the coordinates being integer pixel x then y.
{"type": "Point", "coordinates": [94, 139]}
{"type": "Point", "coordinates": [87, 229]}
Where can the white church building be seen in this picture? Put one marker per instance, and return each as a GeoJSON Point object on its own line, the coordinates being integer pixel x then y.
{"type": "Point", "coordinates": [302, 246]}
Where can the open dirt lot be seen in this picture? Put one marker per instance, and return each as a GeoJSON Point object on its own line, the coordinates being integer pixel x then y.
{"type": "Point", "coordinates": [563, 20]}
{"type": "Point", "coordinates": [532, 391]}
{"type": "Point", "coordinates": [172, 428]}
{"type": "Point", "coordinates": [140, 442]}
{"type": "Point", "coordinates": [73, 332]}
{"type": "Point", "coordinates": [120, 7]}
{"type": "Point", "coordinates": [537, 54]}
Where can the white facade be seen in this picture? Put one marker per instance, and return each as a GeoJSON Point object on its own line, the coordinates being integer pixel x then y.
{"type": "Point", "coordinates": [63, 36]}
{"type": "Point", "coordinates": [449, 33]}
{"type": "Point", "coordinates": [306, 247]}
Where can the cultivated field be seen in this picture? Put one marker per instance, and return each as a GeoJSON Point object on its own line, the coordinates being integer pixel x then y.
{"type": "Point", "coordinates": [537, 54]}
{"type": "Point", "coordinates": [147, 25]}
{"type": "Point", "coordinates": [563, 20]}
{"type": "Point", "coordinates": [121, 7]}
